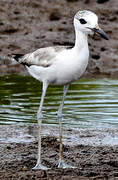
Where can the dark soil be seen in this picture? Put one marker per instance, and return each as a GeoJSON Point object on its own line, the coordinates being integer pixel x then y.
{"type": "Point", "coordinates": [102, 165]}
{"type": "Point", "coordinates": [26, 25]}
{"type": "Point", "coordinates": [18, 151]}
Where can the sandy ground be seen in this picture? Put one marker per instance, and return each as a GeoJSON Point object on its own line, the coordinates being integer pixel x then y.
{"type": "Point", "coordinates": [27, 25]}
{"type": "Point", "coordinates": [94, 153]}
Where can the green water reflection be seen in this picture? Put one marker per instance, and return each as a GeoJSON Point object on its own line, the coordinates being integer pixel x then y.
{"type": "Point", "coordinates": [89, 102]}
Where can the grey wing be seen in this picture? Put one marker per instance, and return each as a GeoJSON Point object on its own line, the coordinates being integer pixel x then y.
{"type": "Point", "coordinates": [41, 57]}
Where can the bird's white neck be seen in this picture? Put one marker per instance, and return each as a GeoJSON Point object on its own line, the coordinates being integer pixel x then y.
{"type": "Point", "coordinates": [81, 40]}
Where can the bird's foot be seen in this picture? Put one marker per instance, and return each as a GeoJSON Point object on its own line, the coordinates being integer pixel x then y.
{"type": "Point", "coordinates": [40, 167]}
{"type": "Point", "coordinates": [63, 165]}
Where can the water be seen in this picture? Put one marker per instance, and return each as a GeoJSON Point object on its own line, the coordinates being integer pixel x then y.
{"type": "Point", "coordinates": [89, 102]}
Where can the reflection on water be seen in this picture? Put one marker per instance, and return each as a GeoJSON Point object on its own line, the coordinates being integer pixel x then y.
{"type": "Point", "coordinates": [89, 102]}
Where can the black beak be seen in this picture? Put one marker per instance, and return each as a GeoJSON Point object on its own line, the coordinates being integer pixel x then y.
{"type": "Point", "coordinates": [101, 33]}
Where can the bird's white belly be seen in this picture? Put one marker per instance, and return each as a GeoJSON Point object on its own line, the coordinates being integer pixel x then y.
{"type": "Point", "coordinates": [70, 72]}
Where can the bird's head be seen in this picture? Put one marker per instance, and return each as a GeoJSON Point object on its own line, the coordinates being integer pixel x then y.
{"type": "Point", "coordinates": [87, 22]}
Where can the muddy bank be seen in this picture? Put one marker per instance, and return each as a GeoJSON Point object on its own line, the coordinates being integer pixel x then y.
{"type": "Point", "coordinates": [28, 25]}
{"type": "Point", "coordinates": [94, 159]}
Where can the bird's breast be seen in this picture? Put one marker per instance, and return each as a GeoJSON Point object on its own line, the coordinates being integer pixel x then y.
{"type": "Point", "coordinates": [70, 69]}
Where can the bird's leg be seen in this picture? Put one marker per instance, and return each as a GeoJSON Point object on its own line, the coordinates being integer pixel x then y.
{"type": "Point", "coordinates": [62, 164]}
{"type": "Point", "coordinates": [61, 161]}
{"type": "Point", "coordinates": [39, 118]}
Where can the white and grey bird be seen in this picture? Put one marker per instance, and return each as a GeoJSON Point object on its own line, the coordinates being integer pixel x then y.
{"type": "Point", "coordinates": [61, 65]}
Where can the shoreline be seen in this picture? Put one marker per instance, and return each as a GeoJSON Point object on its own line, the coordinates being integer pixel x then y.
{"type": "Point", "coordinates": [27, 133]}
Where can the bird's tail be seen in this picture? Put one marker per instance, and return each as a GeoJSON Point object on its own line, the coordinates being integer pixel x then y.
{"type": "Point", "coordinates": [21, 58]}
{"type": "Point", "coordinates": [17, 57]}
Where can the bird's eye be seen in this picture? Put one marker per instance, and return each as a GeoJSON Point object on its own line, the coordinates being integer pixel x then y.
{"type": "Point", "coordinates": [82, 21]}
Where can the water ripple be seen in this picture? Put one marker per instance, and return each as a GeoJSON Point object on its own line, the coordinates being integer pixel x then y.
{"type": "Point", "coordinates": [89, 102]}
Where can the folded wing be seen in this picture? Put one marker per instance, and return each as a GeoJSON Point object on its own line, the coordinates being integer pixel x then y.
{"type": "Point", "coordinates": [41, 57]}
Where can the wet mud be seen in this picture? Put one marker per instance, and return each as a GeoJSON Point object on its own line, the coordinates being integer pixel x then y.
{"type": "Point", "coordinates": [18, 153]}
{"type": "Point", "coordinates": [27, 25]}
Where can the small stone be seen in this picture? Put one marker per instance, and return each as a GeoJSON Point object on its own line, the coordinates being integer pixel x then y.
{"type": "Point", "coordinates": [72, 0]}
{"type": "Point", "coordinates": [95, 56]}
{"type": "Point", "coordinates": [24, 168]}
{"type": "Point", "coordinates": [55, 16]}
{"type": "Point", "coordinates": [101, 1]}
